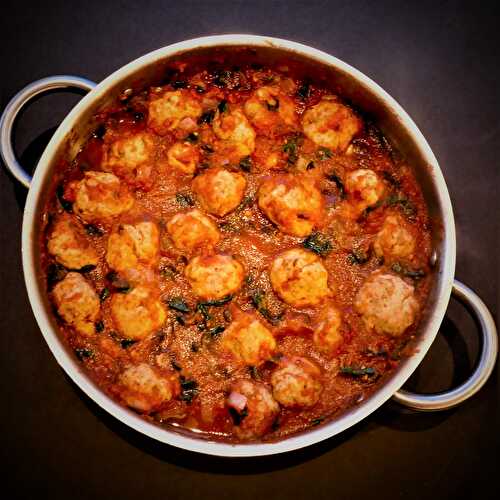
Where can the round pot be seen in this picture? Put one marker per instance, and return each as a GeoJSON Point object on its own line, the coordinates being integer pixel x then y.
{"type": "Point", "coordinates": [358, 88]}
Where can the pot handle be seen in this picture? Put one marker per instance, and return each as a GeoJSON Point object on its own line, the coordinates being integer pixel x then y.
{"type": "Point", "coordinates": [487, 359]}
{"type": "Point", "coordinates": [14, 106]}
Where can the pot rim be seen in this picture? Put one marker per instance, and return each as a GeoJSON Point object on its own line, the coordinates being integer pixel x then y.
{"type": "Point", "coordinates": [312, 436]}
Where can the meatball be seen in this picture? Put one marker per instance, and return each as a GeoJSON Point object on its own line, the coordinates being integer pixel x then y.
{"type": "Point", "coordinates": [137, 313]}
{"type": "Point", "coordinates": [364, 189]}
{"type": "Point", "coordinates": [145, 388]}
{"type": "Point", "coordinates": [253, 408]}
{"type": "Point", "coordinates": [394, 240]}
{"type": "Point", "coordinates": [131, 158]}
{"type": "Point", "coordinates": [193, 230]}
{"type": "Point", "coordinates": [219, 191]}
{"type": "Point", "coordinates": [387, 304]}
{"type": "Point", "coordinates": [237, 134]}
{"type": "Point", "coordinates": [296, 382]}
{"type": "Point", "coordinates": [327, 334]}
{"type": "Point", "coordinates": [248, 340]}
{"type": "Point", "coordinates": [214, 277]}
{"type": "Point", "coordinates": [183, 157]}
{"type": "Point", "coordinates": [176, 109]}
{"type": "Point", "coordinates": [133, 245]}
{"type": "Point", "coordinates": [77, 303]}
{"type": "Point", "coordinates": [331, 124]}
{"type": "Point", "coordinates": [299, 278]}
{"type": "Point", "coordinates": [293, 203]}
{"type": "Point", "coordinates": [69, 246]}
{"type": "Point", "coordinates": [271, 111]}
{"type": "Point", "coordinates": [100, 196]}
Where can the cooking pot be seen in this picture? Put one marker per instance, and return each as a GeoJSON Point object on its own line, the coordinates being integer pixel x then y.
{"type": "Point", "coordinates": [394, 122]}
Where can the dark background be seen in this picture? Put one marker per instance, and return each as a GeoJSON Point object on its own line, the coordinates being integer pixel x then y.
{"type": "Point", "coordinates": [440, 61]}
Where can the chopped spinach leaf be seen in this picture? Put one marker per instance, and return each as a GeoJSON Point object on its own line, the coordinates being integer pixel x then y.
{"type": "Point", "coordinates": [358, 372]}
{"type": "Point", "coordinates": [55, 273]}
{"type": "Point", "coordinates": [324, 153]}
{"type": "Point", "coordinates": [84, 354]}
{"type": "Point", "coordinates": [175, 366]}
{"type": "Point", "coordinates": [119, 284]}
{"type": "Point", "coordinates": [246, 164]}
{"type": "Point", "coordinates": [192, 137]}
{"type": "Point", "coordinates": [310, 165]}
{"type": "Point", "coordinates": [318, 243]}
{"type": "Point", "coordinates": [255, 373]}
{"type": "Point", "coordinates": [415, 274]}
{"type": "Point", "coordinates": [93, 230]}
{"type": "Point", "coordinates": [358, 256]}
{"type": "Point", "coordinates": [259, 301]}
{"type": "Point", "coordinates": [104, 294]}
{"type": "Point", "coordinates": [87, 268]}
{"type": "Point", "coordinates": [207, 117]}
{"type": "Point", "coordinates": [222, 106]}
{"type": "Point", "coordinates": [217, 303]}
{"type": "Point", "coordinates": [65, 204]}
{"type": "Point", "coordinates": [184, 199]}
{"type": "Point", "coordinates": [126, 343]}
{"type": "Point", "coordinates": [333, 177]}
{"type": "Point", "coordinates": [99, 327]}
{"type": "Point", "coordinates": [179, 84]}
{"type": "Point", "coordinates": [189, 389]}
{"type": "Point", "coordinates": [178, 304]}
{"type": "Point", "coordinates": [199, 89]}
{"type": "Point", "coordinates": [304, 91]}
{"type": "Point", "coordinates": [216, 331]}
{"type": "Point", "coordinates": [238, 416]}
{"type": "Point", "coordinates": [317, 421]}
{"type": "Point", "coordinates": [291, 147]}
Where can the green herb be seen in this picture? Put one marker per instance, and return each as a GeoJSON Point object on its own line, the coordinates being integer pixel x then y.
{"type": "Point", "coordinates": [207, 117]}
{"type": "Point", "coordinates": [391, 179]}
{"type": "Point", "coordinates": [318, 243]}
{"type": "Point", "coordinates": [195, 347]}
{"type": "Point", "coordinates": [255, 373]}
{"type": "Point", "coordinates": [222, 78]}
{"type": "Point", "coordinates": [189, 389]}
{"type": "Point", "coordinates": [118, 283]}
{"type": "Point", "coordinates": [324, 153]}
{"type": "Point", "coordinates": [175, 366]}
{"type": "Point", "coordinates": [199, 89]}
{"type": "Point", "coordinates": [178, 304]}
{"type": "Point", "coordinates": [246, 164]}
{"type": "Point", "coordinates": [317, 421]}
{"type": "Point", "coordinates": [100, 131]}
{"type": "Point", "coordinates": [216, 331]}
{"type": "Point", "coordinates": [179, 84]}
{"type": "Point", "coordinates": [65, 204]}
{"type": "Point", "coordinates": [99, 326]}
{"type": "Point", "coordinates": [222, 106]}
{"type": "Point", "coordinates": [238, 416]}
{"type": "Point", "coordinates": [184, 199]}
{"type": "Point", "coordinates": [404, 204]}
{"type": "Point", "coordinates": [87, 268]}
{"type": "Point", "coordinates": [291, 147]}
{"type": "Point", "coordinates": [55, 273]}
{"type": "Point", "coordinates": [358, 256]}
{"type": "Point", "coordinates": [304, 90]}
{"type": "Point", "coordinates": [310, 165]}
{"type": "Point", "coordinates": [358, 372]}
{"type": "Point", "coordinates": [207, 148]}
{"type": "Point", "coordinates": [259, 301]}
{"type": "Point", "coordinates": [84, 354]}
{"type": "Point", "coordinates": [126, 343]}
{"type": "Point", "coordinates": [203, 310]}
{"type": "Point", "coordinates": [93, 230]}
{"type": "Point", "coordinates": [415, 274]}
{"type": "Point", "coordinates": [180, 320]}
{"type": "Point", "coordinates": [104, 294]}
{"type": "Point", "coordinates": [333, 177]}
{"type": "Point", "coordinates": [217, 303]}
{"type": "Point", "coordinates": [274, 106]}
{"type": "Point", "coordinates": [192, 137]}
{"type": "Point", "coordinates": [168, 271]}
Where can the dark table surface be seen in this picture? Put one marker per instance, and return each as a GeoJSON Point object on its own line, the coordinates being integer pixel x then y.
{"type": "Point", "coordinates": [440, 61]}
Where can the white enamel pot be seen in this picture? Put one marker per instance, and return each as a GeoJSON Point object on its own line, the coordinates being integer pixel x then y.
{"type": "Point", "coordinates": [395, 124]}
